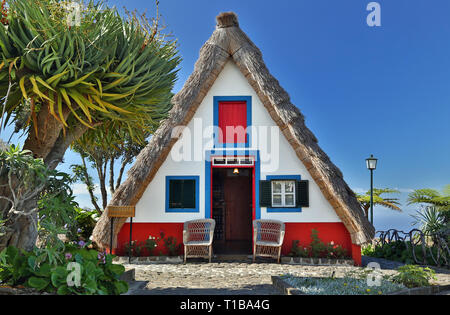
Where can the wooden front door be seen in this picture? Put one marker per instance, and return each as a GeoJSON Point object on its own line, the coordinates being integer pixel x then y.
{"type": "Point", "coordinates": [238, 206]}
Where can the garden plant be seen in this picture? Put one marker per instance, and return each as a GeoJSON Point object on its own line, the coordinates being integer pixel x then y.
{"type": "Point", "coordinates": [318, 249]}
{"type": "Point", "coordinates": [47, 265]}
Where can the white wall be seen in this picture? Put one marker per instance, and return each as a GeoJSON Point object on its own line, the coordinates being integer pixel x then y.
{"type": "Point", "coordinates": [230, 82]}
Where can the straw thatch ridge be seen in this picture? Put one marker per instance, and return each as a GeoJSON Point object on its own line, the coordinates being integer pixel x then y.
{"type": "Point", "coordinates": [229, 42]}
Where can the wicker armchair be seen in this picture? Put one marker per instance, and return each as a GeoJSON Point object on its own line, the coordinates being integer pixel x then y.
{"type": "Point", "coordinates": [197, 238]}
{"type": "Point", "coordinates": [268, 236]}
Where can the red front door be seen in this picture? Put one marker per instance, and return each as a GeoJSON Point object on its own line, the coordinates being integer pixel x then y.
{"type": "Point", "coordinates": [238, 207]}
{"type": "Point", "coordinates": [232, 208]}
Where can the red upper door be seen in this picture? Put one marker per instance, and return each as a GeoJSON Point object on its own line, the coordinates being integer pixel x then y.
{"type": "Point", "coordinates": [233, 122]}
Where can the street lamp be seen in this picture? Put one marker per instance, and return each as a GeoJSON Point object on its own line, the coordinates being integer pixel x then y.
{"type": "Point", "coordinates": [371, 164]}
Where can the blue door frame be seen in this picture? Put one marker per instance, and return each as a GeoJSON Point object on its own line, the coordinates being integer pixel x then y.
{"type": "Point", "coordinates": [208, 178]}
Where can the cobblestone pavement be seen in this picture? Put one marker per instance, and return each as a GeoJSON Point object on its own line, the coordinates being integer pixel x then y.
{"type": "Point", "coordinates": [232, 278]}
{"type": "Point", "coordinates": [229, 278]}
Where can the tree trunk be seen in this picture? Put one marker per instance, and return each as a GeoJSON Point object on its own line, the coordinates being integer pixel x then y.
{"type": "Point", "coordinates": [49, 131]}
{"type": "Point", "coordinates": [22, 233]}
{"type": "Point", "coordinates": [22, 230]}
{"type": "Point", "coordinates": [55, 156]}
{"type": "Point", "coordinates": [111, 175]}
{"type": "Point", "coordinates": [101, 177]}
{"type": "Point", "coordinates": [122, 169]}
{"type": "Point", "coordinates": [90, 186]}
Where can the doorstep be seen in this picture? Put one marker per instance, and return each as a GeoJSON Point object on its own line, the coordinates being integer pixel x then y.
{"type": "Point", "coordinates": [235, 258]}
{"type": "Point", "coordinates": [317, 261]}
{"type": "Point", "coordinates": [150, 260]}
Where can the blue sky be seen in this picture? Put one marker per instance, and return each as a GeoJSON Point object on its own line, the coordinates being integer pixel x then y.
{"type": "Point", "coordinates": [363, 90]}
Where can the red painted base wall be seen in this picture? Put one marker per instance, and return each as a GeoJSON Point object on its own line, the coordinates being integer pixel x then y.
{"type": "Point", "coordinates": [328, 232]}
{"type": "Point", "coordinates": [142, 231]}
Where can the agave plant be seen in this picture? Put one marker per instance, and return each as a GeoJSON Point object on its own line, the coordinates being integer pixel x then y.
{"type": "Point", "coordinates": [430, 220]}
{"type": "Point", "coordinates": [62, 80]}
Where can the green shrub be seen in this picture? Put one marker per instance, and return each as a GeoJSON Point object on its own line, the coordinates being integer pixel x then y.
{"type": "Point", "coordinates": [150, 244]}
{"type": "Point", "coordinates": [299, 251]}
{"type": "Point", "coordinates": [368, 250]}
{"type": "Point", "coordinates": [48, 271]}
{"type": "Point", "coordinates": [149, 247]}
{"type": "Point", "coordinates": [401, 252]}
{"type": "Point", "coordinates": [170, 243]}
{"type": "Point", "coordinates": [136, 248]}
{"type": "Point", "coordinates": [47, 267]}
{"type": "Point", "coordinates": [85, 222]}
{"type": "Point", "coordinates": [414, 276]}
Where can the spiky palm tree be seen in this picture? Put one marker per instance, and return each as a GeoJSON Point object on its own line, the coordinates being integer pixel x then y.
{"type": "Point", "coordinates": [390, 203]}
{"type": "Point", "coordinates": [432, 197]}
{"type": "Point", "coordinates": [60, 80]}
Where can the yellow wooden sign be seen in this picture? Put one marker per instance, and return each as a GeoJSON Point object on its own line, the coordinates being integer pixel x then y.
{"type": "Point", "coordinates": [121, 211]}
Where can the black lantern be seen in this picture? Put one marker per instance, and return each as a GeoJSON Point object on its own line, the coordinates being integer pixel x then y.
{"type": "Point", "coordinates": [371, 164]}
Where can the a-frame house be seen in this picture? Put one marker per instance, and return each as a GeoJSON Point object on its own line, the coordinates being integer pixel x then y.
{"type": "Point", "coordinates": [234, 148]}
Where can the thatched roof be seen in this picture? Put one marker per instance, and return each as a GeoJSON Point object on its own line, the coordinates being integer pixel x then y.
{"type": "Point", "coordinates": [229, 42]}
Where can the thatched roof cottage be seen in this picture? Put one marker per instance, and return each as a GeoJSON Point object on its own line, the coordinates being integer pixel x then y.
{"type": "Point", "coordinates": [243, 153]}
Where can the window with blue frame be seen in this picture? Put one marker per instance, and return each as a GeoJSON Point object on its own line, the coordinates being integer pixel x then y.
{"type": "Point", "coordinates": [182, 194]}
{"type": "Point", "coordinates": [284, 193]}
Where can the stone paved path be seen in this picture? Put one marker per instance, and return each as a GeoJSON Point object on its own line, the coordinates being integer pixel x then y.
{"type": "Point", "coordinates": [227, 278]}
{"type": "Point", "coordinates": [234, 278]}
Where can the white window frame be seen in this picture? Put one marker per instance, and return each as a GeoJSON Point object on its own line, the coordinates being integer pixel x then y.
{"type": "Point", "coordinates": [283, 193]}
{"type": "Point", "coordinates": [230, 159]}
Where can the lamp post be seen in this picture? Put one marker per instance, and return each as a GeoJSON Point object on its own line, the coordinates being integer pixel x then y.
{"type": "Point", "coordinates": [371, 164]}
